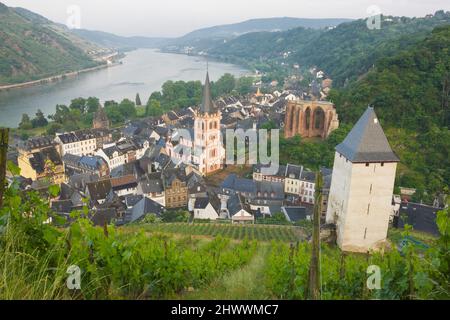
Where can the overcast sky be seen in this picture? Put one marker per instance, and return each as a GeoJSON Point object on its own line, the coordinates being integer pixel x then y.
{"type": "Point", "coordinates": [177, 17]}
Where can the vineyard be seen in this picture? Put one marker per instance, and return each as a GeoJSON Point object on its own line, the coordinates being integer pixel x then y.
{"type": "Point", "coordinates": [165, 261]}
{"type": "Point", "coordinates": [237, 232]}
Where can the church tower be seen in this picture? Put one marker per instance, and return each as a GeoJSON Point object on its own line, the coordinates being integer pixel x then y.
{"type": "Point", "coordinates": [362, 185]}
{"type": "Point", "coordinates": [209, 153]}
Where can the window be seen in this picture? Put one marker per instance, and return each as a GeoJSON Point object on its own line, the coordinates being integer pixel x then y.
{"type": "Point", "coordinates": [367, 164]}
{"type": "Point", "coordinates": [365, 233]}
{"type": "Point", "coordinates": [382, 164]}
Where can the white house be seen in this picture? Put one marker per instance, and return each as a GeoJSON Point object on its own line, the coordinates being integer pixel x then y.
{"type": "Point", "coordinates": [203, 209]}
{"type": "Point", "coordinates": [113, 156]}
{"type": "Point", "coordinates": [76, 143]}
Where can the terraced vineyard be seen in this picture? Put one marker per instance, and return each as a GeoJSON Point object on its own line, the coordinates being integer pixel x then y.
{"type": "Point", "coordinates": [238, 232]}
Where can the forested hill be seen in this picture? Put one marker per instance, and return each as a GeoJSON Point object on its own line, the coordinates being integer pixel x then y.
{"type": "Point", "coordinates": [345, 52]}
{"type": "Point", "coordinates": [32, 47]}
{"type": "Point", "coordinates": [410, 93]}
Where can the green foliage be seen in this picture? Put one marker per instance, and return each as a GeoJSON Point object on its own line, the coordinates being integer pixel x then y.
{"type": "Point", "coordinates": [175, 216]}
{"type": "Point", "coordinates": [345, 52]}
{"type": "Point", "coordinates": [118, 113]}
{"type": "Point", "coordinates": [234, 231]}
{"type": "Point", "coordinates": [312, 154]}
{"type": "Point", "coordinates": [25, 123]}
{"type": "Point", "coordinates": [224, 86]}
{"type": "Point", "coordinates": [40, 120]}
{"type": "Point", "coordinates": [406, 274]}
{"type": "Point", "coordinates": [153, 108]}
{"type": "Point", "coordinates": [92, 104]}
{"type": "Point", "coordinates": [114, 264]}
{"type": "Point", "coordinates": [32, 51]}
{"type": "Point", "coordinates": [410, 93]}
{"type": "Point", "coordinates": [244, 85]}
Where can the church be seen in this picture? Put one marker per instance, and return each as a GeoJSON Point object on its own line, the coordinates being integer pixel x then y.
{"type": "Point", "coordinates": [205, 142]}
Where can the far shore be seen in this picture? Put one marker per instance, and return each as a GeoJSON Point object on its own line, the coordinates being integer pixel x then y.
{"type": "Point", "coordinates": [54, 78]}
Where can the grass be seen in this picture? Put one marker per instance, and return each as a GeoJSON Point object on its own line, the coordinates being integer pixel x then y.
{"type": "Point", "coordinates": [246, 283]}
{"type": "Point", "coordinates": [237, 232]}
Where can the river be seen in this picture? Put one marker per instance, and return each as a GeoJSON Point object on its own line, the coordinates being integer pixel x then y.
{"type": "Point", "coordinates": [143, 71]}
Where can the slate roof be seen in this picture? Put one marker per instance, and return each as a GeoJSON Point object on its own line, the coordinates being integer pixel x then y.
{"type": "Point", "coordinates": [208, 105]}
{"type": "Point", "coordinates": [79, 181]}
{"type": "Point", "coordinates": [39, 142]}
{"type": "Point", "coordinates": [103, 216]}
{"type": "Point", "coordinates": [280, 173]}
{"type": "Point", "coordinates": [201, 203]}
{"type": "Point", "coordinates": [132, 200]}
{"type": "Point", "coordinates": [99, 190]}
{"type": "Point", "coordinates": [152, 182]}
{"type": "Point", "coordinates": [293, 171]}
{"type": "Point", "coordinates": [142, 208]}
{"type": "Point", "coordinates": [269, 190]}
{"type": "Point", "coordinates": [367, 142]}
{"type": "Point", "coordinates": [62, 206]}
{"type": "Point", "coordinates": [234, 204]}
{"type": "Point", "coordinates": [38, 159]}
{"type": "Point", "coordinates": [309, 176]}
{"type": "Point", "coordinates": [232, 182]}
{"type": "Point", "coordinates": [295, 214]}
{"type": "Point", "coordinates": [420, 217]}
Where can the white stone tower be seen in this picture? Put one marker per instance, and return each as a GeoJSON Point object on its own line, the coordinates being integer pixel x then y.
{"type": "Point", "coordinates": [362, 184]}
{"type": "Point", "coordinates": [209, 153]}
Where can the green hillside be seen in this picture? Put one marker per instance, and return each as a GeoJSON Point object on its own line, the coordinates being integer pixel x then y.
{"type": "Point", "coordinates": [410, 92]}
{"type": "Point", "coordinates": [345, 52]}
{"type": "Point", "coordinates": [31, 49]}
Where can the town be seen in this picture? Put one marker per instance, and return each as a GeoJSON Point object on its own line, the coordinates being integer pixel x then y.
{"type": "Point", "coordinates": [203, 155]}
{"type": "Point", "coordinates": [145, 170]}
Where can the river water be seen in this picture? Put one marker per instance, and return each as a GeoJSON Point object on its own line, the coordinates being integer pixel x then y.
{"type": "Point", "coordinates": [143, 71]}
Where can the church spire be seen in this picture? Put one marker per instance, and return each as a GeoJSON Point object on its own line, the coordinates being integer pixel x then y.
{"type": "Point", "coordinates": [208, 105]}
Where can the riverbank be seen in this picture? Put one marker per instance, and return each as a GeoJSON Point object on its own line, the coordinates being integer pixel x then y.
{"type": "Point", "coordinates": [55, 78]}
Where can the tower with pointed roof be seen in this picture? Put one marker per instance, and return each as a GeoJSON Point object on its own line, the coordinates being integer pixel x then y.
{"type": "Point", "coordinates": [362, 185]}
{"type": "Point", "coordinates": [100, 120]}
{"type": "Point", "coordinates": [209, 153]}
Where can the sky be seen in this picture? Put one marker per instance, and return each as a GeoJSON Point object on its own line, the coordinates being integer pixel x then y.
{"type": "Point", "coordinates": [172, 18]}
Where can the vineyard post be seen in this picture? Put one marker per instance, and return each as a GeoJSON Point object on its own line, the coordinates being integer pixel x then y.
{"type": "Point", "coordinates": [313, 287]}
{"type": "Point", "coordinates": [4, 134]}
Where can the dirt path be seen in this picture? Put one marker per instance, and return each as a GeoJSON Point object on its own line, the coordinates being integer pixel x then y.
{"type": "Point", "coordinates": [246, 283]}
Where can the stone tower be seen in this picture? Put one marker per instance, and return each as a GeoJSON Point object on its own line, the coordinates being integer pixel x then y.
{"type": "Point", "coordinates": [101, 120]}
{"type": "Point", "coordinates": [209, 153]}
{"type": "Point", "coordinates": [362, 185]}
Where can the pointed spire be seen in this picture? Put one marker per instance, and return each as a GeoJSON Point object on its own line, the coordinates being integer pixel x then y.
{"type": "Point", "coordinates": [208, 105]}
{"type": "Point", "coordinates": [367, 142]}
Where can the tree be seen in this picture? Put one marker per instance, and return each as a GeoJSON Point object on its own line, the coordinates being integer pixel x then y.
{"type": "Point", "coordinates": [61, 115]}
{"type": "Point", "coordinates": [244, 85]}
{"type": "Point", "coordinates": [53, 128]}
{"type": "Point", "coordinates": [40, 120]}
{"type": "Point", "coordinates": [153, 109]}
{"type": "Point", "coordinates": [224, 86]}
{"type": "Point", "coordinates": [25, 124]}
{"type": "Point", "coordinates": [79, 104]}
{"type": "Point", "coordinates": [138, 100]}
{"type": "Point", "coordinates": [127, 108]}
{"type": "Point", "coordinates": [92, 104]}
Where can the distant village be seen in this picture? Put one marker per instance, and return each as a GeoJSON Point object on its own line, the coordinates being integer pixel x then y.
{"type": "Point", "coordinates": [126, 174]}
